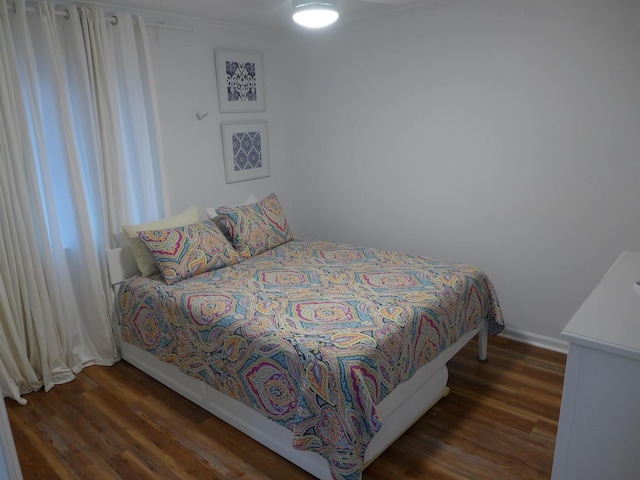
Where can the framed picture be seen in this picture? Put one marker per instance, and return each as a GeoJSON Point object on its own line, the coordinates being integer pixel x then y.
{"type": "Point", "coordinates": [239, 77]}
{"type": "Point", "coordinates": [245, 152]}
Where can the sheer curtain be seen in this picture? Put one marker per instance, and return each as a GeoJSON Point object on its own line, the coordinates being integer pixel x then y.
{"type": "Point", "coordinates": [79, 156]}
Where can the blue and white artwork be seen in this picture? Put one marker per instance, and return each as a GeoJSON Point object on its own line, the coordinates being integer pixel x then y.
{"type": "Point", "coordinates": [241, 82]}
{"type": "Point", "coordinates": [247, 150]}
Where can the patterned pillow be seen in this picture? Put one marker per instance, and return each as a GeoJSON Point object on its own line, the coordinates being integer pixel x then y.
{"type": "Point", "coordinates": [215, 218]}
{"type": "Point", "coordinates": [256, 228]}
{"type": "Point", "coordinates": [145, 261]}
{"type": "Point", "coordinates": [183, 252]}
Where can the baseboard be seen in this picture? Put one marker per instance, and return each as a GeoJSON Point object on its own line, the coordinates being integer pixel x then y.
{"type": "Point", "coordinates": [541, 341]}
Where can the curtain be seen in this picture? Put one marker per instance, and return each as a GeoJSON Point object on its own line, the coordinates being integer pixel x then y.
{"type": "Point", "coordinates": [79, 157]}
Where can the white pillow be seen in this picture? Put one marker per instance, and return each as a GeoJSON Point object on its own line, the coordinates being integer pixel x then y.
{"type": "Point", "coordinates": [144, 258]}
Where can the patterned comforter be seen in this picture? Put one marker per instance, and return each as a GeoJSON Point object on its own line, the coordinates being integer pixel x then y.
{"type": "Point", "coordinates": [311, 334]}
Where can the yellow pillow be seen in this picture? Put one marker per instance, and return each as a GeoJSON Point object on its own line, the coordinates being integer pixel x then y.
{"type": "Point", "coordinates": [144, 258]}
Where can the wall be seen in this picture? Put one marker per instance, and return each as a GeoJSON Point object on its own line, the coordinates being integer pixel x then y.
{"type": "Point", "coordinates": [185, 81]}
{"type": "Point", "coordinates": [502, 133]}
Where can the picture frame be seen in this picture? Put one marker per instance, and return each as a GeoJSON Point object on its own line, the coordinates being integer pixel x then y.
{"type": "Point", "coordinates": [245, 151]}
{"type": "Point", "coordinates": [240, 80]}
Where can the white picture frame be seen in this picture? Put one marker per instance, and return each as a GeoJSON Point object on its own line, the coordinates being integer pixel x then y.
{"type": "Point", "coordinates": [240, 80]}
{"type": "Point", "coordinates": [245, 151]}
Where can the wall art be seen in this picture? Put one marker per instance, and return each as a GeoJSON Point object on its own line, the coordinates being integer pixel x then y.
{"type": "Point", "coordinates": [245, 152]}
{"type": "Point", "coordinates": [240, 83]}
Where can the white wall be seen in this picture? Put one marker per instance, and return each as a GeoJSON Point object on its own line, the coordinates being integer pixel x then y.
{"type": "Point", "coordinates": [185, 80]}
{"type": "Point", "coordinates": [503, 133]}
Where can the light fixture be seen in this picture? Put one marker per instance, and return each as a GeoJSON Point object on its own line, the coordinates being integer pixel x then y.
{"type": "Point", "coordinates": [316, 14]}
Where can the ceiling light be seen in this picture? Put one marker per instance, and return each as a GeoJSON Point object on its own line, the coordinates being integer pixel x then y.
{"type": "Point", "coordinates": [314, 14]}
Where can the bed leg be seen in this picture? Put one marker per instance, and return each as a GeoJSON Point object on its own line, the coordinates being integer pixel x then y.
{"type": "Point", "coordinates": [483, 339]}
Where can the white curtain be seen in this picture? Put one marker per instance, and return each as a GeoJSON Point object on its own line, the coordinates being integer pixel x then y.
{"type": "Point", "coordinates": [79, 156]}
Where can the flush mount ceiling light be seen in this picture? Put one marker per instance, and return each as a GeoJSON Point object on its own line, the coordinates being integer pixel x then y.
{"type": "Point", "coordinates": [316, 14]}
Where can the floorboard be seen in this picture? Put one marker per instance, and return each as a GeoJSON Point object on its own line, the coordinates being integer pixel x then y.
{"type": "Point", "coordinates": [498, 422]}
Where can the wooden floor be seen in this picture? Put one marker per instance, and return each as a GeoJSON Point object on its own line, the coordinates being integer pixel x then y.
{"type": "Point", "coordinates": [498, 422]}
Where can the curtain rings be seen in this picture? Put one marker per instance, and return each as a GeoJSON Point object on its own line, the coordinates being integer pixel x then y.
{"type": "Point", "coordinates": [67, 16]}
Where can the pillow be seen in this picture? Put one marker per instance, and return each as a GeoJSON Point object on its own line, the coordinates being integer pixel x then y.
{"type": "Point", "coordinates": [144, 259]}
{"type": "Point", "coordinates": [215, 218]}
{"type": "Point", "coordinates": [257, 227]}
{"type": "Point", "coordinates": [183, 252]}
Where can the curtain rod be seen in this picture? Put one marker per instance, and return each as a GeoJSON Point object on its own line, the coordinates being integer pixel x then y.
{"type": "Point", "coordinates": [114, 20]}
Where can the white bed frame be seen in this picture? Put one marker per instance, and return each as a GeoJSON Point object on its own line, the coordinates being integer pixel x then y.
{"type": "Point", "coordinates": [398, 411]}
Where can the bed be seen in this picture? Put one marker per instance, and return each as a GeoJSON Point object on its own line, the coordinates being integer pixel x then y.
{"type": "Point", "coordinates": [323, 352]}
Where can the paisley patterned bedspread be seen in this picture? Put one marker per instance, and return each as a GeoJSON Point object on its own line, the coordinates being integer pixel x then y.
{"type": "Point", "coordinates": [311, 334]}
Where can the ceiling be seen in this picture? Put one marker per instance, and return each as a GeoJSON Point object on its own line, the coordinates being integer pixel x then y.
{"type": "Point", "coordinates": [264, 14]}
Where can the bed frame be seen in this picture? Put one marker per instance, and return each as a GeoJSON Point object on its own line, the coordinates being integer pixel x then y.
{"type": "Point", "coordinates": [398, 411]}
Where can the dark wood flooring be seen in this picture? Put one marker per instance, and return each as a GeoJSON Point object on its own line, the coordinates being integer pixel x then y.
{"type": "Point", "coordinates": [498, 422]}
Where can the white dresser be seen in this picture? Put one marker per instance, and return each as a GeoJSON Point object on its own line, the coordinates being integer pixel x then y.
{"type": "Point", "coordinates": [599, 429]}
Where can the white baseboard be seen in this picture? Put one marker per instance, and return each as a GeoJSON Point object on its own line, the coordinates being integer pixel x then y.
{"type": "Point", "coordinates": [541, 341]}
